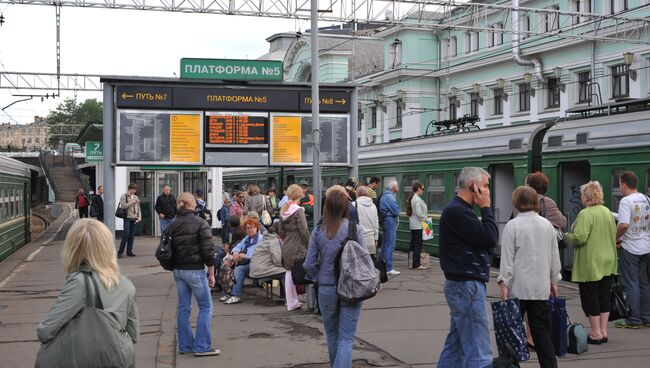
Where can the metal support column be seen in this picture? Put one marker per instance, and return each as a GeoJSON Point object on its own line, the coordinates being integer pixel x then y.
{"type": "Point", "coordinates": [353, 171]}
{"type": "Point", "coordinates": [315, 102]}
{"type": "Point", "coordinates": [109, 147]}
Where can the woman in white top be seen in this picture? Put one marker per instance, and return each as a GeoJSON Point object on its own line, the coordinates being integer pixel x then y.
{"type": "Point", "coordinates": [530, 269]}
{"type": "Point", "coordinates": [416, 210]}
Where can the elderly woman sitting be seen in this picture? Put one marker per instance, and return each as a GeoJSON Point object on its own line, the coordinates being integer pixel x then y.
{"type": "Point", "coordinates": [243, 252]}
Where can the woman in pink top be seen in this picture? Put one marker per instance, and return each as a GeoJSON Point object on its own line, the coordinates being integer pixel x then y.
{"type": "Point", "coordinates": [295, 239]}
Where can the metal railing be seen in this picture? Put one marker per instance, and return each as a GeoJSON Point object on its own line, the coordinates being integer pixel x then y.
{"type": "Point", "coordinates": [85, 181]}
{"type": "Point", "coordinates": [42, 157]}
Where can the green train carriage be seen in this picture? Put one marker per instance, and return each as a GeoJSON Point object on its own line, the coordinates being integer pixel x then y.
{"type": "Point", "coordinates": [435, 161]}
{"type": "Point", "coordinates": [597, 148]}
{"type": "Point", "coordinates": [570, 152]}
{"type": "Point", "coordinates": [15, 189]}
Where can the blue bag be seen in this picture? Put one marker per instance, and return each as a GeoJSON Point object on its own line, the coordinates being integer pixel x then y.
{"type": "Point", "coordinates": [559, 328]}
{"type": "Point", "coordinates": [509, 328]}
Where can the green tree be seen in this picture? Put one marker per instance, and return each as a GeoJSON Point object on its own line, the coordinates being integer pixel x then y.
{"type": "Point", "coordinates": [67, 120]}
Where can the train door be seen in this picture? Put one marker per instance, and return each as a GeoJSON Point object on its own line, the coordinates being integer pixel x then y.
{"type": "Point", "coordinates": [173, 179]}
{"type": "Point", "coordinates": [501, 187]}
{"type": "Point", "coordinates": [573, 175]}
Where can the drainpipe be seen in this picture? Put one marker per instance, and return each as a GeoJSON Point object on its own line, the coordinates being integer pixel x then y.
{"type": "Point", "coordinates": [438, 78]}
{"type": "Point", "coordinates": [516, 51]}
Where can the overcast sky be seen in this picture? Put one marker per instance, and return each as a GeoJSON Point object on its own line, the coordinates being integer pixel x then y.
{"type": "Point", "coordinates": [120, 42]}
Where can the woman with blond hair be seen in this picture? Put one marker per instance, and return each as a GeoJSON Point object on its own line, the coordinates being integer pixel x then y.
{"type": "Point", "coordinates": [192, 251]}
{"type": "Point", "coordinates": [294, 233]}
{"type": "Point", "coordinates": [89, 249]}
{"type": "Point", "coordinates": [595, 260]}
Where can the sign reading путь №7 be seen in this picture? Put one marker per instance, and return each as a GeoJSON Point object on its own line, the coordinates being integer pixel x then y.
{"type": "Point", "coordinates": [231, 69]}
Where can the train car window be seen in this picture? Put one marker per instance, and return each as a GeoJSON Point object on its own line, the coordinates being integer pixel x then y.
{"type": "Point", "coordinates": [617, 195]}
{"type": "Point", "coordinates": [11, 201]}
{"type": "Point", "coordinates": [407, 186]}
{"type": "Point", "coordinates": [647, 182]}
{"type": "Point", "coordinates": [456, 175]}
{"type": "Point", "coordinates": [435, 192]}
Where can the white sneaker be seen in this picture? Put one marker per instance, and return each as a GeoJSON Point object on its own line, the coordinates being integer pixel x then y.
{"type": "Point", "coordinates": [233, 300]}
{"type": "Point", "coordinates": [422, 268]}
{"type": "Point", "coordinates": [208, 353]}
{"type": "Point", "coordinates": [393, 273]}
{"type": "Point", "coordinates": [224, 298]}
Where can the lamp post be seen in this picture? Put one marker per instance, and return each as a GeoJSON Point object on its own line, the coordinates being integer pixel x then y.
{"type": "Point", "coordinates": [501, 84]}
{"type": "Point", "coordinates": [628, 57]}
{"type": "Point", "coordinates": [528, 78]}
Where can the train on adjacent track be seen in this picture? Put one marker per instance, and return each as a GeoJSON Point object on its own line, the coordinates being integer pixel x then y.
{"type": "Point", "coordinates": [593, 143]}
{"type": "Point", "coordinates": [15, 205]}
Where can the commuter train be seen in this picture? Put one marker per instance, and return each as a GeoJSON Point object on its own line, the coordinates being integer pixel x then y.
{"type": "Point", "coordinates": [570, 151]}
{"type": "Point", "coordinates": [15, 206]}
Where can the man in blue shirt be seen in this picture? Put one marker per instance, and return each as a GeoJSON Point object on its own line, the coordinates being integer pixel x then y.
{"type": "Point", "coordinates": [466, 244]}
{"type": "Point", "coordinates": [390, 210]}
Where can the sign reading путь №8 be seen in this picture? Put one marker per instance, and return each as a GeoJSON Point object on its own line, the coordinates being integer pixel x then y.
{"type": "Point", "coordinates": [231, 69]}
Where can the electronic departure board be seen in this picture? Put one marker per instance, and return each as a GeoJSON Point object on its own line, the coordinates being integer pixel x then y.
{"type": "Point", "coordinates": [226, 129]}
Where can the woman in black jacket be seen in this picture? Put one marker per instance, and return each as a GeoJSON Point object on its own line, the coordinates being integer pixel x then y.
{"type": "Point", "coordinates": [192, 250]}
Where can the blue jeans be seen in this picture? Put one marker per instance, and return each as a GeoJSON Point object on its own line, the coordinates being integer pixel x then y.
{"type": "Point", "coordinates": [634, 274]}
{"type": "Point", "coordinates": [340, 321]}
{"type": "Point", "coordinates": [389, 225]}
{"type": "Point", "coordinates": [190, 282]}
{"type": "Point", "coordinates": [164, 223]}
{"type": "Point", "coordinates": [468, 342]}
{"type": "Point", "coordinates": [127, 237]}
{"type": "Point", "coordinates": [241, 273]}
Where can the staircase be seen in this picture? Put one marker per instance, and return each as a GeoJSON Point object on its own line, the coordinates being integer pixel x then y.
{"type": "Point", "coordinates": [63, 176]}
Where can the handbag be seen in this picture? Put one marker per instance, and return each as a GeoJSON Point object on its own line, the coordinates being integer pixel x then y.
{"type": "Point", "coordinates": [265, 217]}
{"type": "Point", "coordinates": [620, 309]}
{"type": "Point", "coordinates": [299, 275]}
{"type": "Point", "coordinates": [380, 265]}
{"type": "Point", "coordinates": [93, 338]}
{"type": "Point", "coordinates": [509, 328]}
{"type": "Point", "coordinates": [164, 252]}
{"type": "Point", "coordinates": [427, 229]}
{"type": "Point", "coordinates": [559, 325]}
{"type": "Point", "coordinates": [122, 212]}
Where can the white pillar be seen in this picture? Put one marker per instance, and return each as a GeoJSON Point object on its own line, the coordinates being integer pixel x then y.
{"type": "Point", "coordinates": [216, 176]}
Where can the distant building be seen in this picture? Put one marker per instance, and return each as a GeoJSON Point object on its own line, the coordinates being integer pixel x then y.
{"type": "Point", "coordinates": [27, 137]}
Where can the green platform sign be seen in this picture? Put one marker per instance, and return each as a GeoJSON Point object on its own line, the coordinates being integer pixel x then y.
{"type": "Point", "coordinates": [231, 69]}
{"type": "Point", "coordinates": [94, 151]}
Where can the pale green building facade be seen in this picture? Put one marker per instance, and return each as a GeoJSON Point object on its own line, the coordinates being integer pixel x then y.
{"type": "Point", "coordinates": [430, 75]}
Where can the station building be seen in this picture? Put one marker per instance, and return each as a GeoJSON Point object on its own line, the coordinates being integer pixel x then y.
{"type": "Point", "coordinates": [435, 75]}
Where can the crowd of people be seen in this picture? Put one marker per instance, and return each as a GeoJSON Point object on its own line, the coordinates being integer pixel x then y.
{"type": "Point", "coordinates": [530, 269]}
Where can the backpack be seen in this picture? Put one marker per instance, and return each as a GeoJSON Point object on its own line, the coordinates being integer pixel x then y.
{"type": "Point", "coordinates": [358, 277]}
{"type": "Point", "coordinates": [577, 337]}
{"type": "Point", "coordinates": [219, 215]}
{"type": "Point", "coordinates": [380, 215]}
{"type": "Point", "coordinates": [164, 252]}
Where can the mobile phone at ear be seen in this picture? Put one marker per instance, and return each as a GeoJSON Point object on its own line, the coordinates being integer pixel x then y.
{"type": "Point", "coordinates": [475, 189]}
